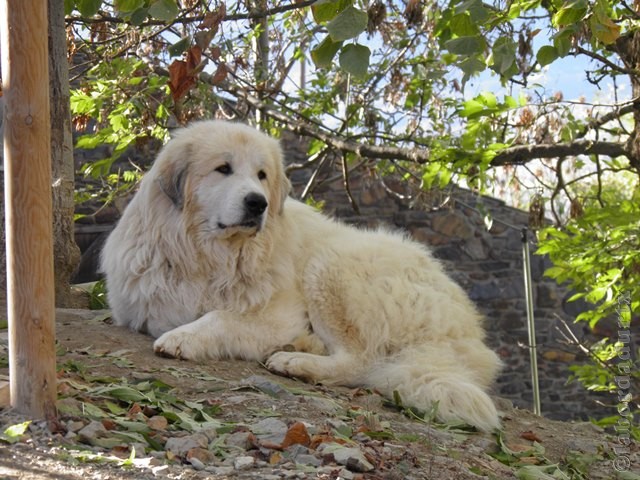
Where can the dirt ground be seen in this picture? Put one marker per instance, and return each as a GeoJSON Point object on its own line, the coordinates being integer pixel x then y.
{"type": "Point", "coordinates": [229, 407]}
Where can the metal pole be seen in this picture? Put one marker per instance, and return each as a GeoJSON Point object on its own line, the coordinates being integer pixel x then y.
{"type": "Point", "coordinates": [530, 321]}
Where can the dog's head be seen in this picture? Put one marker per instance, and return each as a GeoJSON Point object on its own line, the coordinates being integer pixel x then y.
{"type": "Point", "coordinates": [226, 178]}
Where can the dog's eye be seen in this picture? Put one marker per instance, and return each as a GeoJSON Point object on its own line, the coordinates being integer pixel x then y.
{"type": "Point", "coordinates": [262, 175]}
{"type": "Point", "coordinates": [224, 169]}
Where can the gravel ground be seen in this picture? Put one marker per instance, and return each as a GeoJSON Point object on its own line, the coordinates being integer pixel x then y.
{"type": "Point", "coordinates": [125, 413]}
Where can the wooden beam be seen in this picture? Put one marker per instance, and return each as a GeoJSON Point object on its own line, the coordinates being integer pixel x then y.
{"type": "Point", "coordinates": [27, 176]}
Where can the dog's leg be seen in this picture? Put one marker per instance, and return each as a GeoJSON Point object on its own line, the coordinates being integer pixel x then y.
{"type": "Point", "coordinates": [219, 334]}
{"type": "Point", "coordinates": [349, 352]}
{"type": "Point", "coordinates": [336, 368]}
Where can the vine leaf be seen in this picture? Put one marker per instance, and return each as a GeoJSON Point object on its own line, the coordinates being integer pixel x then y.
{"type": "Point", "coordinates": [349, 23]}
{"type": "Point", "coordinates": [354, 59]}
{"type": "Point", "coordinates": [165, 10]}
{"type": "Point", "coordinates": [323, 54]}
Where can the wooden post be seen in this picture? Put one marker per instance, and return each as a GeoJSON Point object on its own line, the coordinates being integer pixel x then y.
{"type": "Point", "coordinates": [27, 176]}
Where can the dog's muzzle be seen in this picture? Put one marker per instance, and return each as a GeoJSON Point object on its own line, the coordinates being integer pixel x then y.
{"type": "Point", "coordinates": [254, 205]}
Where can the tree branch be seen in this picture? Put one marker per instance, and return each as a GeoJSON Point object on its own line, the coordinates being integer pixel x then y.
{"type": "Point", "coordinates": [598, 122]}
{"type": "Point", "coordinates": [520, 154]}
{"type": "Point", "coordinates": [252, 15]}
{"type": "Point", "coordinates": [516, 155]}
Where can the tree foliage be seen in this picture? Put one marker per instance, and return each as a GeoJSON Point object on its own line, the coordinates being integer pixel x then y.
{"type": "Point", "coordinates": [389, 87]}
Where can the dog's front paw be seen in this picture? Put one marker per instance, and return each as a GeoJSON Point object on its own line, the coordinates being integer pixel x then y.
{"type": "Point", "coordinates": [290, 364]}
{"type": "Point", "coordinates": [177, 344]}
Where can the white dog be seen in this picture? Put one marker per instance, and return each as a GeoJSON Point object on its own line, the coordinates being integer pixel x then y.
{"type": "Point", "coordinates": [213, 259]}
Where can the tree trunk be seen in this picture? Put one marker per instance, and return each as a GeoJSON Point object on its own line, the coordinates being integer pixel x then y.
{"type": "Point", "coordinates": [628, 48]}
{"type": "Point", "coordinates": [66, 252]}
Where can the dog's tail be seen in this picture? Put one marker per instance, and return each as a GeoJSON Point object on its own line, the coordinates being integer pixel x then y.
{"type": "Point", "coordinates": [450, 379]}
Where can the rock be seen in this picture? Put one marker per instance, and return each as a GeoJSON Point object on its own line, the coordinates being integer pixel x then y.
{"type": "Point", "coordinates": [223, 471]}
{"type": "Point", "coordinates": [75, 425]}
{"type": "Point", "coordinates": [140, 449]}
{"type": "Point", "coordinates": [452, 224]}
{"type": "Point", "coordinates": [547, 295]}
{"type": "Point", "coordinates": [267, 386]}
{"type": "Point", "coordinates": [301, 455]}
{"type": "Point", "coordinates": [484, 291]}
{"type": "Point", "coordinates": [93, 431]}
{"type": "Point", "coordinates": [201, 454]}
{"type": "Point", "coordinates": [157, 422]}
{"type": "Point", "coordinates": [270, 430]}
{"type": "Point", "coordinates": [196, 463]}
{"type": "Point", "coordinates": [350, 457]}
{"type": "Point", "coordinates": [241, 440]}
{"type": "Point", "coordinates": [243, 462]}
{"type": "Point", "coordinates": [476, 248]}
{"type": "Point", "coordinates": [181, 445]}
{"type": "Point", "coordinates": [308, 459]}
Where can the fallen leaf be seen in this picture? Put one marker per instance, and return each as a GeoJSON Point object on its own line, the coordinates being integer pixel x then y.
{"type": "Point", "coordinates": [275, 458]}
{"type": "Point", "coordinates": [529, 460]}
{"type": "Point", "coordinates": [296, 435]}
{"type": "Point", "coordinates": [109, 424]}
{"type": "Point", "coordinates": [529, 435]}
{"type": "Point", "coordinates": [134, 410]}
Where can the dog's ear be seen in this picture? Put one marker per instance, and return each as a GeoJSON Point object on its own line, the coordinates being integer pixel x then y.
{"type": "Point", "coordinates": [171, 181]}
{"type": "Point", "coordinates": [282, 184]}
{"type": "Point", "coordinates": [285, 186]}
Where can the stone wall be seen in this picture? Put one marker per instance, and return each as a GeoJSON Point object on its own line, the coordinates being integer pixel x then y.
{"type": "Point", "coordinates": [489, 266]}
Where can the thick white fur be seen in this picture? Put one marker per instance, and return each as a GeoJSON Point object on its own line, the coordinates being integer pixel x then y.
{"type": "Point", "coordinates": [369, 308]}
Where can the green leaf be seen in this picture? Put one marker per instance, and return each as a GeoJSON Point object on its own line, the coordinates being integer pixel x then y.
{"type": "Point", "coordinates": [326, 10]}
{"type": "Point", "coordinates": [88, 8]}
{"type": "Point", "coordinates": [477, 10]}
{"type": "Point", "coordinates": [570, 13]}
{"type": "Point", "coordinates": [462, 25]}
{"type": "Point", "coordinates": [323, 54]}
{"type": "Point", "coordinates": [69, 5]}
{"type": "Point", "coordinates": [471, 107]}
{"type": "Point", "coordinates": [92, 411]}
{"type": "Point", "coordinates": [349, 23]}
{"type": "Point", "coordinates": [354, 59]}
{"type": "Point", "coordinates": [604, 29]}
{"type": "Point", "coordinates": [489, 99]}
{"type": "Point", "coordinates": [165, 10]}
{"type": "Point", "coordinates": [180, 47]}
{"type": "Point", "coordinates": [563, 40]}
{"type": "Point", "coordinates": [122, 393]}
{"type": "Point", "coordinates": [472, 65]}
{"type": "Point", "coordinates": [13, 433]}
{"type": "Point", "coordinates": [466, 45]}
{"type": "Point", "coordinates": [546, 55]}
{"type": "Point", "coordinates": [139, 16]}
{"type": "Point", "coordinates": [504, 54]}
{"type": "Point", "coordinates": [125, 6]}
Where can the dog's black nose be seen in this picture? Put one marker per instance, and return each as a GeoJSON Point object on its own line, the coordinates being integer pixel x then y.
{"type": "Point", "coordinates": [255, 204]}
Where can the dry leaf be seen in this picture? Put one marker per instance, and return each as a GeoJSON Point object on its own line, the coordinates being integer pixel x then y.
{"type": "Point", "coordinates": [109, 424]}
{"type": "Point", "coordinates": [275, 458]}
{"type": "Point", "coordinates": [134, 411]}
{"type": "Point", "coordinates": [529, 460]}
{"type": "Point", "coordinates": [220, 75]}
{"type": "Point", "coordinates": [529, 435]}
{"type": "Point", "coordinates": [296, 435]}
